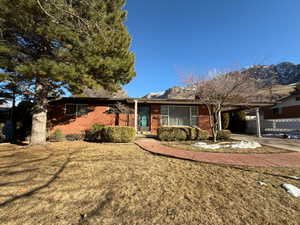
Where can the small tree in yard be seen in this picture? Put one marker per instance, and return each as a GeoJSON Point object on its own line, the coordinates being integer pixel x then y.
{"type": "Point", "coordinates": [222, 89]}
{"type": "Point", "coordinates": [64, 45]}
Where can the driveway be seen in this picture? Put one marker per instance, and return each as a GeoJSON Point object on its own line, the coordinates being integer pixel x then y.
{"type": "Point", "coordinates": [289, 144]}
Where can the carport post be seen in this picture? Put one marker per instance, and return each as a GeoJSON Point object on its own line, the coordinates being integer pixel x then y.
{"type": "Point", "coordinates": [220, 120]}
{"type": "Point", "coordinates": [136, 115]}
{"type": "Point", "coordinates": [258, 123]}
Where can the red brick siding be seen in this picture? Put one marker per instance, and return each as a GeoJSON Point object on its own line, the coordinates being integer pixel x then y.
{"type": "Point", "coordinates": [57, 119]}
{"type": "Point", "coordinates": [203, 121]}
{"type": "Point", "coordinates": [72, 125]}
{"type": "Point", "coordinates": [154, 118]}
{"type": "Point", "coordinates": [287, 112]}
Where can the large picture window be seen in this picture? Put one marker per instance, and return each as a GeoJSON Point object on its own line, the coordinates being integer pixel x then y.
{"type": "Point", "coordinates": [179, 115]}
{"type": "Point", "coordinates": [76, 109]}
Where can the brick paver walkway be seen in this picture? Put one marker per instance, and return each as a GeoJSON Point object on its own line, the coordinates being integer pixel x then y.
{"type": "Point", "coordinates": [275, 160]}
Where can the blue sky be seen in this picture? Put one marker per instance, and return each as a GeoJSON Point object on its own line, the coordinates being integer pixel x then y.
{"type": "Point", "coordinates": [175, 36]}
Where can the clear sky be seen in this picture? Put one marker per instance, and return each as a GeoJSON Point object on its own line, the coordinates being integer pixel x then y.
{"type": "Point", "coordinates": [176, 36]}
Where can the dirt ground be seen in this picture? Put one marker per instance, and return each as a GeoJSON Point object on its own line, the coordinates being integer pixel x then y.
{"type": "Point", "coordinates": [111, 184]}
{"type": "Point", "coordinates": [187, 145]}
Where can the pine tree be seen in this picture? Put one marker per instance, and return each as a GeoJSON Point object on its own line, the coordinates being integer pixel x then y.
{"type": "Point", "coordinates": [71, 44]}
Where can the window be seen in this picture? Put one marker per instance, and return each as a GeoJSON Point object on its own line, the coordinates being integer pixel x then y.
{"type": "Point", "coordinates": [81, 110]}
{"type": "Point", "coordinates": [179, 115]}
{"type": "Point", "coordinates": [277, 111]}
{"type": "Point", "coordinates": [76, 109]}
{"type": "Point", "coordinates": [70, 109]}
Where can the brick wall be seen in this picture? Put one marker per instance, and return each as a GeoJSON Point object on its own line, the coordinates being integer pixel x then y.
{"type": "Point", "coordinates": [155, 118]}
{"type": "Point", "coordinates": [72, 124]}
{"type": "Point", "coordinates": [287, 112]}
{"type": "Point", "coordinates": [57, 119]}
{"type": "Point", "coordinates": [203, 121]}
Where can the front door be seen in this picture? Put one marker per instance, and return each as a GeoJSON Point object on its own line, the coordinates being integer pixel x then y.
{"type": "Point", "coordinates": [144, 117]}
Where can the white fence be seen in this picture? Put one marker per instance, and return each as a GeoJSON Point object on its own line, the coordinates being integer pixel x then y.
{"type": "Point", "coordinates": [273, 125]}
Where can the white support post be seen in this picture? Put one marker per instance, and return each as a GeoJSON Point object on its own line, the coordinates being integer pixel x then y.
{"type": "Point", "coordinates": [258, 123]}
{"type": "Point", "coordinates": [136, 115]}
{"type": "Point", "coordinates": [220, 120]}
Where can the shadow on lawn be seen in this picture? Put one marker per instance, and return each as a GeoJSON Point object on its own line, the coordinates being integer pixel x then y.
{"type": "Point", "coordinates": [32, 191]}
{"type": "Point", "coordinates": [84, 220]}
{"type": "Point", "coordinates": [26, 162]}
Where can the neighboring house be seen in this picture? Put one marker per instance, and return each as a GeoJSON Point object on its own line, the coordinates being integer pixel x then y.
{"type": "Point", "coordinates": [281, 117]}
{"type": "Point", "coordinates": [288, 107]}
{"type": "Point", "coordinates": [76, 114]}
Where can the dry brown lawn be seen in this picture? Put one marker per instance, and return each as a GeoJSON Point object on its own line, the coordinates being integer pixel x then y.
{"type": "Point", "coordinates": [84, 183]}
{"type": "Point", "coordinates": [187, 145]}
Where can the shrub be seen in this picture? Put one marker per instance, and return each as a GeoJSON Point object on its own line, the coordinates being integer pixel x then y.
{"type": "Point", "coordinates": [57, 135]}
{"type": "Point", "coordinates": [97, 127]}
{"type": "Point", "coordinates": [202, 135]}
{"type": "Point", "coordinates": [225, 120]}
{"type": "Point", "coordinates": [118, 134]}
{"type": "Point", "coordinates": [74, 137]}
{"type": "Point", "coordinates": [224, 134]}
{"type": "Point", "coordinates": [181, 134]}
{"type": "Point", "coordinates": [95, 133]}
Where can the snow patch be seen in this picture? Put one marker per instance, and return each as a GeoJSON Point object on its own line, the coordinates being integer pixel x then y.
{"type": "Point", "coordinates": [291, 189]}
{"type": "Point", "coordinates": [294, 177]}
{"type": "Point", "coordinates": [261, 183]}
{"type": "Point", "coordinates": [241, 144]}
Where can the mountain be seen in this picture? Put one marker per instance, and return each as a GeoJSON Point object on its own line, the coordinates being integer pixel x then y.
{"type": "Point", "coordinates": [283, 76]}
{"type": "Point", "coordinates": [283, 73]}
{"type": "Point", "coordinates": [176, 92]}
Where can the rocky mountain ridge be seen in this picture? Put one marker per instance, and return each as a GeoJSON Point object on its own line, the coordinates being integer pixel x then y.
{"type": "Point", "coordinates": [282, 75]}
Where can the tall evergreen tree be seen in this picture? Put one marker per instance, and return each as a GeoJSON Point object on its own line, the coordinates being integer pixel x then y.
{"type": "Point", "coordinates": [75, 44]}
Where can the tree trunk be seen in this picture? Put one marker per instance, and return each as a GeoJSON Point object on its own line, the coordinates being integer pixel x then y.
{"type": "Point", "coordinates": [215, 127]}
{"type": "Point", "coordinates": [39, 118]}
{"type": "Point", "coordinates": [13, 117]}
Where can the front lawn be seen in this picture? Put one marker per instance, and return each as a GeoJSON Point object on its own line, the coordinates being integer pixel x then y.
{"type": "Point", "coordinates": [188, 145]}
{"type": "Point", "coordinates": [77, 183]}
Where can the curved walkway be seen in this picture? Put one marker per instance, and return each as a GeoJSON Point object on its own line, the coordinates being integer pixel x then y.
{"type": "Point", "coordinates": [275, 160]}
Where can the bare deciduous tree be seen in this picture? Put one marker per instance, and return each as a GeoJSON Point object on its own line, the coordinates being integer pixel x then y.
{"type": "Point", "coordinates": [219, 89]}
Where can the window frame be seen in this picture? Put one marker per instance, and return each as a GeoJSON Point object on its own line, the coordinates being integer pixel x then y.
{"type": "Point", "coordinates": [192, 116]}
{"type": "Point", "coordinates": [77, 106]}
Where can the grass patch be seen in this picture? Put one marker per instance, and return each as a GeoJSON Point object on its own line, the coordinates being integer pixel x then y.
{"type": "Point", "coordinates": [87, 183]}
{"type": "Point", "coordinates": [187, 145]}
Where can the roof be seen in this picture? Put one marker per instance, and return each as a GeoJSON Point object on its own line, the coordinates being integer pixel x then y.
{"type": "Point", "coordinates": [93, 100]}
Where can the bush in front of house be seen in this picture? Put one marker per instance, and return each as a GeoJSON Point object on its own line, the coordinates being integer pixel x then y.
{"type": "Point", "coordinates": [181, 134]}
{"type": "Point", "coordinates": [74, 137]}
{"type": "Point", "coordinates": [95, 133]}
{"type": "Point", "coordinates": [57, 136]}
{"type": "Point", "coordinates": [202, 135]}
{"type": "Point", "coordinates": [97, 127]}
{"type": "Point", "coordinates": [223, 134]}
{"type": "Point", "coordinates": [118, 134]}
